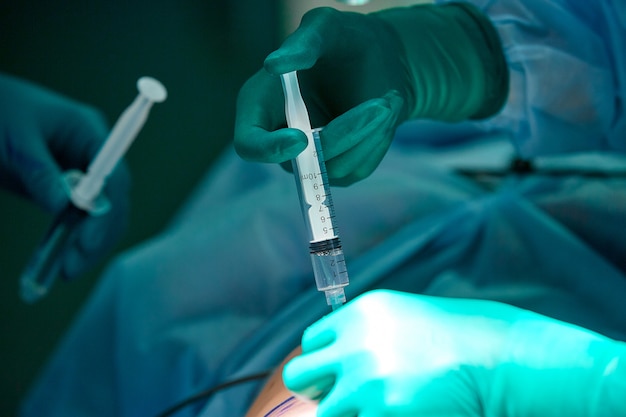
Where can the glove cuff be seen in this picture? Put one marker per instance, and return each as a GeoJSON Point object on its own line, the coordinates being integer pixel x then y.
{"type": "Point", "coordinates": [454, 60]}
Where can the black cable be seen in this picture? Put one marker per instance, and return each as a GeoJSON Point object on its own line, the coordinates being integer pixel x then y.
{"type": "Point", "coordinates": [209, 392]}
{"type": "Point", "coordinates": [522, 167]}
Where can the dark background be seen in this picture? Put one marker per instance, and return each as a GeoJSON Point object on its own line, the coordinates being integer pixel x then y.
{"type": "Point", "coordinates": [94, 52]}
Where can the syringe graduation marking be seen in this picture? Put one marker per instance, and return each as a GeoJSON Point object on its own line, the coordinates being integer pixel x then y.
{"type": "Point", "coordinates": [315, 187]}
{"type": "Point", "coordinates": [315, 195]}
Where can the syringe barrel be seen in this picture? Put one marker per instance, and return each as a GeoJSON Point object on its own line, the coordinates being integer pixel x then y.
{"type": "Point", "coordinates": [329, 268]}
{"type": "Point", "coordinates": [314, 191]}
{"type": "Point", "coordinates": [46, 263]}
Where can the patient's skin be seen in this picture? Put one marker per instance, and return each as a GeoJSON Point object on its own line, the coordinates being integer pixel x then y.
{"type": "Point", "coordinates": [275, 400]}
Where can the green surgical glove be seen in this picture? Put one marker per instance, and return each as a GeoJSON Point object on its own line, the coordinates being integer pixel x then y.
{"type": "Point", "coordinates": [363, 75]}
{"type": "Point", "coordinates": [43, 134]}
{"type": "Point", "coordinates": [396, 354]}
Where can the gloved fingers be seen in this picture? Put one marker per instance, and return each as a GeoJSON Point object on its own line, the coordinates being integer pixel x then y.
{"type": "Point", "coordinates": [74, 262]}
{"type": "Point", "coordinates": [359, 123]}
{"type": "Point", "coordinates": [101, 232]}
{"type": "Point", "coordinates": [306, 44]}
{"type": "Point", "coordinates": [28, 168]}
{"type": "Point", "coordinates": [337, 403]}
{"type": "Point", "coordinates": [97, 235]}
{"type": "Point", "coordinates": [260, 133]}
{"type": "Point", "coordinates": [360, 164]}
{"type": "Point", "coordinates": [320, 334]}
{"type": "Point", "coordinates": [104, 231]}
{"type": "Point", "coordinates": [287, 166]}
{"type": "Point", "coordinates": [311, 375]}
{"type": "Point", "coordinates": [79, 131]}
{"type": "Point", "coordinates": [272, 147]}
{"type": "Point", "coordinates": [355, 142]}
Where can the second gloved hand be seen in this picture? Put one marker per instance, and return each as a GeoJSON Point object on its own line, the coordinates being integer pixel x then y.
{"type": "Point", "coordinates": [395, 354]}
{"type": "Point", "coordinates": [42, 135]}
{"type": "Point", "coordinates": [363, 75]}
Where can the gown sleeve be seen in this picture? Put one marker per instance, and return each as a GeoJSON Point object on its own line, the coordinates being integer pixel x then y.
{"type": "Point", "coordinates": [567, 61]}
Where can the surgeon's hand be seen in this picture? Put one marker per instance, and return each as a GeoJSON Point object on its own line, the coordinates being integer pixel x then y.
{"type": "Point", "coordinates": [43, 134]}
{"type": "Point", "coordinates": [396, 354]}
{"type": "Point", "coordinates": [362, 75]}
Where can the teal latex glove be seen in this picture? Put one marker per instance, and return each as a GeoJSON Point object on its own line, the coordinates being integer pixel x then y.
{"type": "Point", "coordinates": [363, 75]}
{"type": "Point", "coordinates": [396, 354]}
{"type": "Point", "coordinates": [43, 134]}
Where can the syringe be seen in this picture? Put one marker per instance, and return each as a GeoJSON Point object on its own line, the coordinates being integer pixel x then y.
{"type": "Point", "coordinates": [329, 266]}
{"type": "Point", "coordinates": [85, 193]}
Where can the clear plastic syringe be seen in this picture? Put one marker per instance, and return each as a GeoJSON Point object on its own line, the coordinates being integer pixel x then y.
{"type": "Point", "coordinates": [329, 266]}
{"type": "Point", "coordinates": [85, 193]}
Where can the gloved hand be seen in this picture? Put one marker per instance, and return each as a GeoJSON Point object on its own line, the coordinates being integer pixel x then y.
{"type": "Point", "coordinates": [362, 75]}
{"type": "Point", "coordinates": [43, 134]}
{"type": "Point", "coordinates": [396, 354]}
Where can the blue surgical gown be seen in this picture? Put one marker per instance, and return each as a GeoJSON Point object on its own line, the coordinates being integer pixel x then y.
{"type": "Point", "coordinates": [567, 67]}
{"type": "Point", "coordinates": [227, 289]}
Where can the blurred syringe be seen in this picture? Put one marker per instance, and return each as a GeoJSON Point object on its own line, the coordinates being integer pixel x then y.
{"type": "Point", "coordinates": [329, 266]}
{"type": "Point", "coordinates": [85, 193]}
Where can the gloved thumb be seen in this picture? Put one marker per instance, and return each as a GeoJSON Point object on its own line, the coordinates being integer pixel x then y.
{"type": "Point", "coordinates": [31, 171]}
{"type": "Point", "coordinates": [302, 48]}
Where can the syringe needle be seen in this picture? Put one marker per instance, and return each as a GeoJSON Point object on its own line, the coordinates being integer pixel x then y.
{"type": "Point", "coordinates": [85, 194]}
